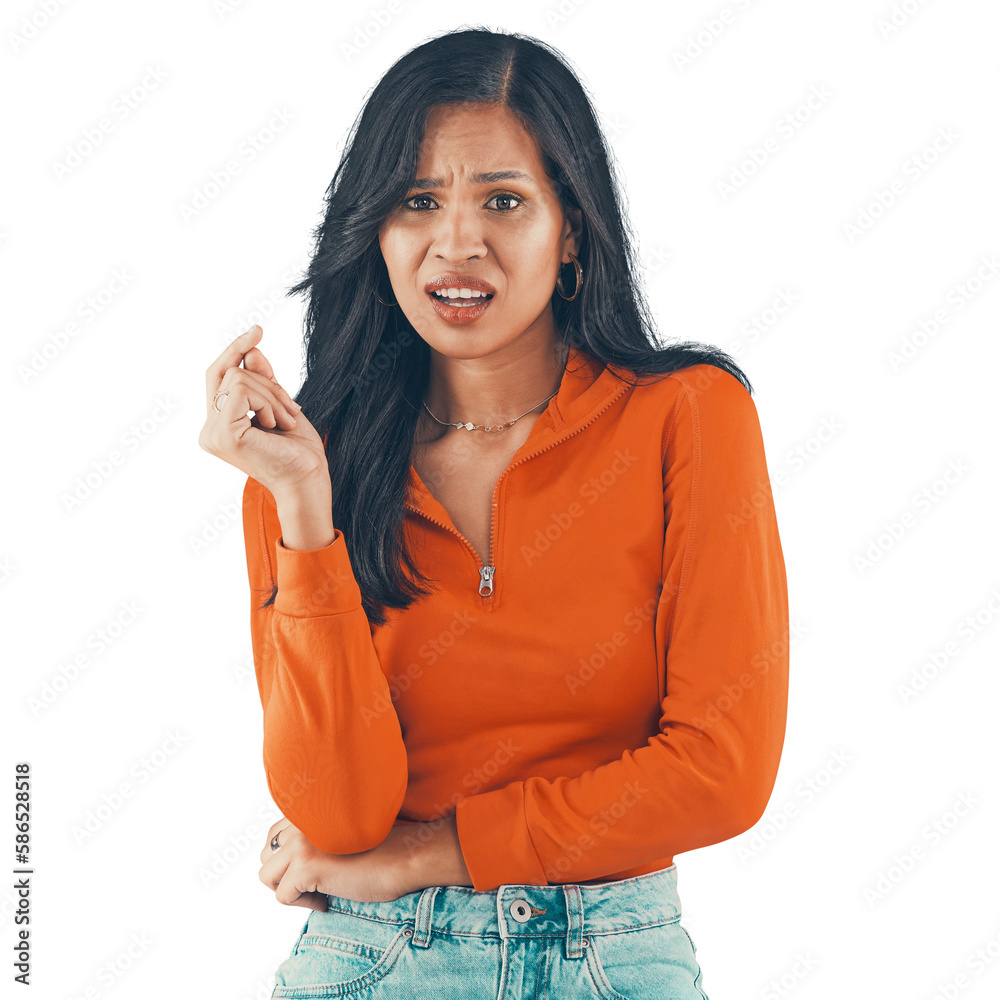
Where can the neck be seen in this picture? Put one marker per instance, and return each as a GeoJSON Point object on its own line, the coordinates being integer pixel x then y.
{"type": "Point", "coordinates": [493, 389]}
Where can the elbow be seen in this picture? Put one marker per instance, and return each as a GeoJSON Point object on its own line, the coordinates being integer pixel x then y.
{"type": "Point", "coordinates": [342, 827]}
{"type": "Point", "coordinates": [350, 838]}
{"type": "Point", "coordinates": [750, 770]}
{"type": "Point", "coordinates": [747, 799]}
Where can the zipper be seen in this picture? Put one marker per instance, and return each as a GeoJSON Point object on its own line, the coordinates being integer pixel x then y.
{"type": "Point", "coordinates": [487, 571]}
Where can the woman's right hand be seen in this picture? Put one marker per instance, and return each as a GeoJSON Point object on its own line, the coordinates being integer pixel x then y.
{"type": "Point", "coordinates": [278, 446]}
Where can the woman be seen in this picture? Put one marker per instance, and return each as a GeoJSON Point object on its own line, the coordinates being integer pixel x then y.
{"type": "Point", "coordinates": [519, 610]}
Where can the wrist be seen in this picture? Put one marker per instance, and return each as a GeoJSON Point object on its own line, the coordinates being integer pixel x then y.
{"type": "Point", "coordinates": [305, 517]}
{"type": "Point", "coordinates": [313, 491]}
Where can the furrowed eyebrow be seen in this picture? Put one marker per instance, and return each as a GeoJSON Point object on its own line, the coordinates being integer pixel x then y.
{"type": "Point", "coordinates": [488, 178]}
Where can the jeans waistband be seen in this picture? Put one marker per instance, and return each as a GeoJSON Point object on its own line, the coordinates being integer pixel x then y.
{"type": "Point", "coordinates": [571, 911]}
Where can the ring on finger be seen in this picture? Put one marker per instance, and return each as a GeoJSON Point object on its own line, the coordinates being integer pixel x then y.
{"type": "Point", "coordinates": [274, 842]}
{"type": "Point", "coordinates": [217, 397]}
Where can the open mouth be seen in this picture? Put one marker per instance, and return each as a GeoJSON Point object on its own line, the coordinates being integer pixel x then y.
{"type": "Point", "coordinates": [460, 301]}
{"type": "Point", "coordinates": [460, 308]}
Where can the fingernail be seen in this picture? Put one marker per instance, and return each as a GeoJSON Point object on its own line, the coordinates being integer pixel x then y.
{"type": "Point", "coordinates": [251, 330]}
{"type": "Point", "coordinates": [296, 405]}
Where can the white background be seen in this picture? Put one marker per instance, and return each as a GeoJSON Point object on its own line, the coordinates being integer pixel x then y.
{"type": "Point", "coordinates": [170, 708]}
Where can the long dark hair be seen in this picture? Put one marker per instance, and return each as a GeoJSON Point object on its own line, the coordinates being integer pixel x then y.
{"type": "Point", "coordinates": [366, 367]}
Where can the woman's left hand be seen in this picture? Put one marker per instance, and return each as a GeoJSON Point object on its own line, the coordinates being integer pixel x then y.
{"type": "Point", "coordinates": [301, 874]}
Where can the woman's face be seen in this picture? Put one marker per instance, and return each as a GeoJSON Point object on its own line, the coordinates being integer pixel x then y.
{"type": "Point", "coordinates": [456, 225]}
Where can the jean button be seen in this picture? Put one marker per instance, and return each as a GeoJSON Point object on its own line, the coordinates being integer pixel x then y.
{"type": "Point", "coordinates": [520, 910]}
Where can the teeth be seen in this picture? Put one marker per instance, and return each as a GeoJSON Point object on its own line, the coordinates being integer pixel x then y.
{"type": "Point", "coordinates": [459, 293]}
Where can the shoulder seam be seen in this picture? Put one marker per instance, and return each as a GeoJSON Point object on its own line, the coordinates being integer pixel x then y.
{"type": "Point", "coordinates": [669, 423]}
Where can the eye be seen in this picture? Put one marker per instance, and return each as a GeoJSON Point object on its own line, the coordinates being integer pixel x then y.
{"type": "Point", "coordinates": [416, 197]}
{"type": "Point", "coordinates": [507, 198]}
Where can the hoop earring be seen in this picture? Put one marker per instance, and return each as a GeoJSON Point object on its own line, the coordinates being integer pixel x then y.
{"type": "Point", "coordinates": [579, 280]}
{"type": "Point", "coordinates": [379, 297]}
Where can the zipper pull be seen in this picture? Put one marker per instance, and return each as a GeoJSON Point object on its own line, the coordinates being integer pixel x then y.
{"type": "Point", "coordinates": [486, 580]}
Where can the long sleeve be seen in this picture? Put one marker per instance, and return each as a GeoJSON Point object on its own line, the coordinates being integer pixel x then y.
{"type": "Point", "coordinates": [708, 773]}
{"type": "Point", "coordinates": [333, 750]}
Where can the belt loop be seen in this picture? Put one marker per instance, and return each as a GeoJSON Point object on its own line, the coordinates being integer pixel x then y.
{"type": "Point", "coordinates": [423, 931]}
{"type": "Point", "coordinates": [574, 920]}
{"type": "Point", "coordinates": [502, 924]}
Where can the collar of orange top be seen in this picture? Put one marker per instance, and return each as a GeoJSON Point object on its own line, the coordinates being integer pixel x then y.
{"type": "Point", "coordinates": [586, 385]}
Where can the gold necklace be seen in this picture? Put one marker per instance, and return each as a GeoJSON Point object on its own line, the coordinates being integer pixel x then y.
{"type": "Point", "coordinates": [469, 426]}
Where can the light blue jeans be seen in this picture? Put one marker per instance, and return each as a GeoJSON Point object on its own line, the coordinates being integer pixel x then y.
{"type": "Point", "coordinates": [619, 940]}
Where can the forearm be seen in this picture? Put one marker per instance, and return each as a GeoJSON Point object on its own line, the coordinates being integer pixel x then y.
{"type": "Point", "coordinates": [321, 686]}
{"type": "Point", "coordinates": [434, 855]}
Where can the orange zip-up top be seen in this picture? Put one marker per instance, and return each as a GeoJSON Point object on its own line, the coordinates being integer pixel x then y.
{"type": "Point", "coordinates": [607, 691]}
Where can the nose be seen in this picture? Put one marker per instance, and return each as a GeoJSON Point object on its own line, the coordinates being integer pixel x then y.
{"type": "Point", "coordinates": [458, 233]}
